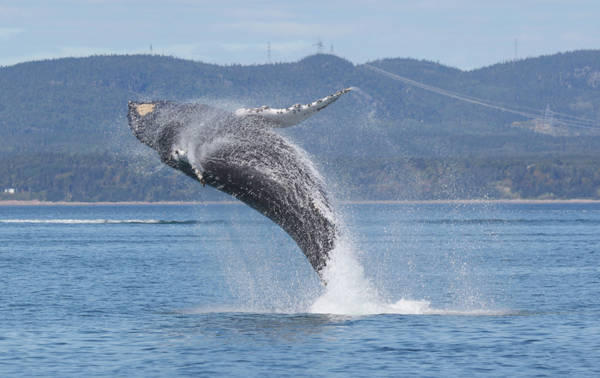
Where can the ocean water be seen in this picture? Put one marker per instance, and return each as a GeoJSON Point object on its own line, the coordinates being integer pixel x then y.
{"type": "Point", "coordinates": [428, 290]}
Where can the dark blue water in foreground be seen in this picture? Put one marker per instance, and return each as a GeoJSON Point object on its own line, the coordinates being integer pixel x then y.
{"type": "Point", "coordinates": [497, 290]}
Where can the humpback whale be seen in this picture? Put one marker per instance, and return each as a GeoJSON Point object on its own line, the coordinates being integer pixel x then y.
{"type": "Point", "coordinates": [241, 154]}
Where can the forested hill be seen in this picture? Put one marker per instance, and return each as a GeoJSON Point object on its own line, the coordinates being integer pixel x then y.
{"type": "Point", "coordinates": [63, 109]}
{"type": "Point", "coordinates": [79, 104]}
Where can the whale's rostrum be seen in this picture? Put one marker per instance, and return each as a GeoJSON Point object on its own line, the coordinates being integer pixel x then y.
{"type": "Point", "coordinates": [241, 154]}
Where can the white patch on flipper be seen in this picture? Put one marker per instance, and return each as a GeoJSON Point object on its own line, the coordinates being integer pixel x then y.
{"type": "Point", "coordinates": [294, 114]}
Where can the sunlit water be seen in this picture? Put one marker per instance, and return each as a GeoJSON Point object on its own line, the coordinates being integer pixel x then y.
{"type": "Point", "coordinates": [218, 289]}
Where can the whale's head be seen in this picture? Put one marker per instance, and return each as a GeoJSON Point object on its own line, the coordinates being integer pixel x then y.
{"type": "Point", "coordinates": [157, 125]}
{"type": "Point", "coordinates": [152, 123]}
{"type": "Point", "coordinates": [178, 130]}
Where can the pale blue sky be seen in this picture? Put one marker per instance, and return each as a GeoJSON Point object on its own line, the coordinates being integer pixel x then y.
{"type": "Point", "coordinates": [461, 33]}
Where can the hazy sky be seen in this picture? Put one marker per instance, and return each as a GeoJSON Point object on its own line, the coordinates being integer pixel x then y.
{"type": "Point", "coordinates": [461, 33]}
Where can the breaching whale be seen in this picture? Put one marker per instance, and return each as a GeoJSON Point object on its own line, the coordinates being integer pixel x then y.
{"type": "Point", "coordinates": [241, 154]}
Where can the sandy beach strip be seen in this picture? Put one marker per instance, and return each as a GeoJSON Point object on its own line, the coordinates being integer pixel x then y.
{"type": "Point", "coordinates": [356, 202]}
{"type": "Point", "coordinates": [122, 203]}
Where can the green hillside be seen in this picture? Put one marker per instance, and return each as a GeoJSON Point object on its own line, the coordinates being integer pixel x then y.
{"type": "Point", "coordinates": [65, 134]}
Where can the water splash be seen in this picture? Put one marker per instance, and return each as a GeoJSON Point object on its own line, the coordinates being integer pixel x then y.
{"type": "Point", "coordinates": [349, 292]}
{"type": "Point", "coordinates": [277, 174]}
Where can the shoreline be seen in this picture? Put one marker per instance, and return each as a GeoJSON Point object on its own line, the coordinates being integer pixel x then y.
{"type": "Point", "coordinates": [358, 202]}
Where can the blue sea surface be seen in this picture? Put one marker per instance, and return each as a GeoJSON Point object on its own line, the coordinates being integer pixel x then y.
{"type": "Point", "coordinates": [177, 290]}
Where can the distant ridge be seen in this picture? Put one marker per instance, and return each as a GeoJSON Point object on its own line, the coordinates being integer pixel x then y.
{"type": "Point", "coordinates": [71, 107]}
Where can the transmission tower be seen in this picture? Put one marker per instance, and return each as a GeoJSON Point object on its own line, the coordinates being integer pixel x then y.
{"type": "Point", "coordinates": [319, 47]}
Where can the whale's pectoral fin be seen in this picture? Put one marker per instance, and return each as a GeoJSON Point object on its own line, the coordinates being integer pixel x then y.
{"type": "Point", "coordinates": [294, 114]}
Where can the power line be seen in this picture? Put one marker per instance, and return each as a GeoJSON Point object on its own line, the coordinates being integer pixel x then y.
{"type": "Point", "coordinates": [567, 120]}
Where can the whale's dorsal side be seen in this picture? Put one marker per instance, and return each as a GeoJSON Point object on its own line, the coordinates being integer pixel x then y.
{"type": "Point", "coordinates": [286, 117]}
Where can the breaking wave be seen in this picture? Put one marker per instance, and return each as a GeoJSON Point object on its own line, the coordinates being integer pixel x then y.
{"type": "Point", "coordinates": [108, 221]}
